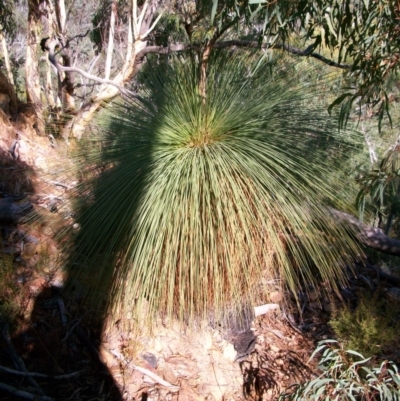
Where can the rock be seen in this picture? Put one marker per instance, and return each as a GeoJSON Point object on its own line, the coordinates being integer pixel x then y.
{"type": "Point", "coordinates": [274, 348]}
{"type": "Point", "coordinates": [275, 297]}
{"type": "Point", "coordinates": [182, 366]}
{"type": "Point", "coordinates": [394, 294]}
{"type": "Point", "coordinates": [244, 343]}
{"type": "Point", "coordinates": [40, 287]}
{"type": "Point", "coordinates": [263, 309]}
{"type": "Point", "coordinates": [169, 374]}
{"type": "Point", "coordinates": [229, 352]}
{"type": "Point", "coordinates": [106, 356]}
{"type": "Point", "coordinates": [13, 212]}
{"type": "Point", "coordinates": [150, 359]}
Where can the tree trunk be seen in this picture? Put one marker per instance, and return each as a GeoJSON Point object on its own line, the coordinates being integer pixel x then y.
{"type": "Point", "coordinates": [7, 59]}
{"type": "Point", "coordinates": [66, 83]}
{"type": "Point", "coordinates": [203, 72]}
{"type": "Point", "coordinates": [137, 32]}
{"type": "Point", "coordinates": [110, 46]}
{"type": "Point", "coordinates": [32, 75]}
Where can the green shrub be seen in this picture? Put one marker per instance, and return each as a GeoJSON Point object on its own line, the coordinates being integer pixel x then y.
{"type": "Point", "coordinates": [371, 326]}
{"type": "Point", "coordinates": [347, 375]}
{"type": "Point", "coordinates": [8, 308]}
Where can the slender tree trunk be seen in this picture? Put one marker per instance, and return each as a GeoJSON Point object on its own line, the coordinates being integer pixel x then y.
{"type": "Point", "coordinates": [110, 46]}
{"type": "Point", "coordinates": [7, 59]}
{"type": "Point", "coordinates": [203, 71]}
{"type": "Point", "coordinates": [48, 87]}
{"type": "Point", "coordinates": [48, 32]}
{"type": "Point", "coordinates": [66, 82]}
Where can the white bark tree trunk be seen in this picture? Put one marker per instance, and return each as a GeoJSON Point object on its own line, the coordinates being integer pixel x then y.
{"type": "Point", "coordinates": [7, 59]}
{"type": "Point", "coordinates": [110, 46]}
{"type": "Point", "coordinates": [140, 25]}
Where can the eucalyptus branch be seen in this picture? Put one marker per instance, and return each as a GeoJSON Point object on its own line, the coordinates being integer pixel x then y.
{"type": "Point", "coordinates": [178, 47]}
{"type": "Point", "coordinates": [81, 35]}
{"type": "Point", "coordinates": [51, 47]}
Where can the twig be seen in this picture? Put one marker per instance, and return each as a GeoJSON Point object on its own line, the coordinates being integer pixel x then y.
{"type": "Point", "coordinates": [292, 325]}
{"type": "Point", "coordinates": [71, 330]}
{"type": "Point", "coordinates": [147, 372]}
{"type": "Point", "coordinates": [18, 362]}
{"type": "Point", "coordinates": [23, 394]}
{"type": "Point", "coordinates": [63, 312]}
{"type": "Point", "coordinates": [41, 375]}
{"type": "Point", "coordinates": [59, 184]}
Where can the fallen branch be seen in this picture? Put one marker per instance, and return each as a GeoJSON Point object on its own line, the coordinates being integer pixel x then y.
{"type": "Point", "coordinates": [18, 362]}
{"type": "Point", "coordinates": [147, 372]}
{"type": "Point", "coordinates": [372, 237]}
{"type": "Point", "coordinates": [63, 312]}
{"type": "Point", "coordinates": [381, 274]}
{"type": "Point", "coordinates": [24, 394]}
{"type": "Point", "coordinates": [40, 375]}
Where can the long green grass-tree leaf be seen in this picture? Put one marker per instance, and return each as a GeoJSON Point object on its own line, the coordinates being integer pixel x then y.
{"type": "Point", "coordinates": [189, 206]}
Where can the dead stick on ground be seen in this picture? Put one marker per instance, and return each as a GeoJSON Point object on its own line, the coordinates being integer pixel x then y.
{"type": "Point", "coordinates": [18, 362]}
{"type": "Point", "coordinates": [23, 394]}
{"type": "Point", "coordinates": [42, 375]}
{"type": "Point", "coordinates": [63, 312]}
{"type": "Point", "coordinates": [147, 372]}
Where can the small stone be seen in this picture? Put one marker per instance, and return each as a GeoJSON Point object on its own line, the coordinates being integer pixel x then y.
{"type": "Point", "coordinates": [106, 356]}
{"type": "Point", "coordinates": [263, 309]}
{"type": "Point", "coordinates": [150, 359]}
{"type": "Point", "coordinates": [274, 348]}
{"type": "Point", "coordinates": [315, 305]}
{"type": "Point", "coordinates": [276, 297]}
{"type": "Point", "coordinates": [394, 293]}
{"type": "Point", "coordinates": [40, 287]}
{"type": "Point", "coordinates": [169, 374]}
{"type": "Point", "coordinates": [230, 352]}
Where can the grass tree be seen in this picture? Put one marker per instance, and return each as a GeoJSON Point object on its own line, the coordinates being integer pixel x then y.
{"type": "Point", "coordinates": [189, 205]}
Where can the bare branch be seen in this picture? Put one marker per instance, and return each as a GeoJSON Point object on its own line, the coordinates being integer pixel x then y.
{"type": "Point", "coordinates": [40, 375]}
{"type": "Point", "coordinates": [51, 47]}
{"type": "Point", "coordinates": [23, 394]}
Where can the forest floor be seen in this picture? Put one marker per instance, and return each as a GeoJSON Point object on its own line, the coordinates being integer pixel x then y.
{"type": "Point", "coordinates": [51, 348]}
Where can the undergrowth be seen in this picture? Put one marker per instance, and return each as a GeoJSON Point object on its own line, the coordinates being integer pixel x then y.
{"type": "Point", "coordinates": [347, 375]}
{"type": "Point", "coordinates": [370, 327]}
{"type": "Point", "coordinates": [8, 309]}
